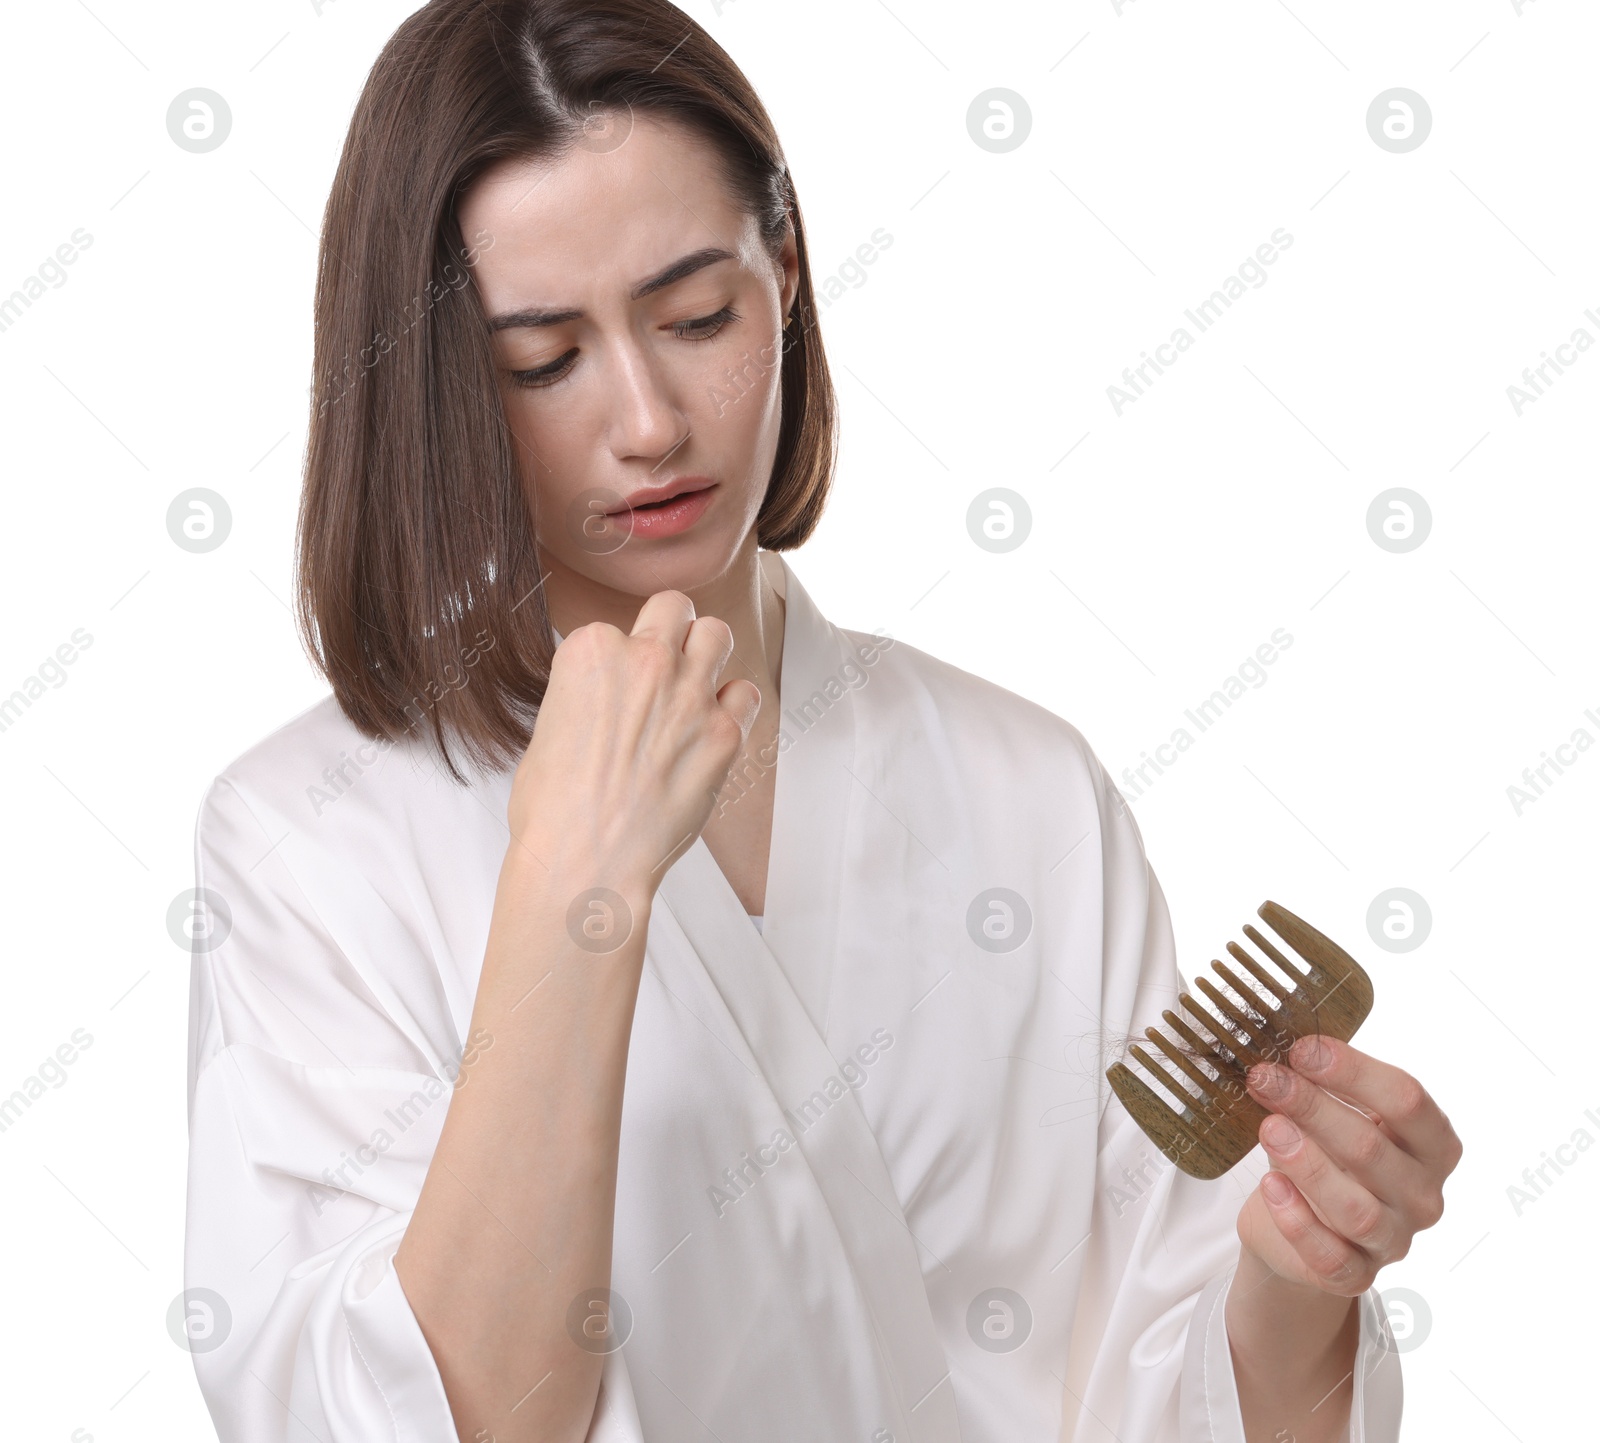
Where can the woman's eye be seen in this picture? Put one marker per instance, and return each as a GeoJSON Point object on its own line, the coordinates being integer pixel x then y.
{"type": "Point", "coordinates": [703, 328]}
{"type": "Point", "coordinates": [706, 326]}
{"type": "Point", "coordinates": [546, 375]}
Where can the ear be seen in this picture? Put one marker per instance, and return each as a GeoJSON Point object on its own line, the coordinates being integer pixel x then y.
{"type": "Point", "coordinates": [789, 266]}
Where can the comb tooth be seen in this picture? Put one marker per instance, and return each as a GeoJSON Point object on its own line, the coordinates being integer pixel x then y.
{"type": "Point", "coordinates": [1164, 1127]}
{"type": "Point", "coordinates": [1276, 1042]}
{"type": "Point", "coordinates": [1182, 1028]}
{"type": "Point", "coordinates": [1298, 973]}
{"type": "Point", "coordinates": [1208, 1085]}
{"type": "Point", "coordinates": [1341, 993]}
{"type": "Point", "coordinates": [1296, 1015]}
{"type": "Point", "coordinates": [1161, 1075]}
{"type": "Point", "coordinates": [1247, 994]}
{"type": "Point", "coordinates": [1260, 973]}
{"type": "Point", "coordinates": [1250, 1044]}
{"type": "Point", "coordinates": [1204, 1144]}
{"type": "Point", "coordinates": [1321, 952]}
{"type": "Point", "coordinates": [1225, 1039]}
{"type": "Point", "coordinates": [1310, 982]}
{"type": "Point", "coordinates": [1291, 1019]}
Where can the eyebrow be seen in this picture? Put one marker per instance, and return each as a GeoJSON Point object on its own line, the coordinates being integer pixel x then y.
{"type": "Point", "coordinates": [684, 266]}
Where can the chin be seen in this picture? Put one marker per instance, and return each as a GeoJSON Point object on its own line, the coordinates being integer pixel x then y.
{"type": "Point", "coordinates": [679, 563]}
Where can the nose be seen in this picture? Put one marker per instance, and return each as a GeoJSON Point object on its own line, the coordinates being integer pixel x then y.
{"type": "Point", "coordinates": [646, 420]}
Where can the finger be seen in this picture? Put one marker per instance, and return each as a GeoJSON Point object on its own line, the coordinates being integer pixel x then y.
{"type": "Point", "coordinates": [1342, 1202]}
{"type": "Point", "coordinates": [1338, 1266]}
{"type": "Point", "coordinates": [1408, 1111]}
{"type": "Point", "coordinates": [1355, 1143]}
{"type": "Point", "coordinates": [707, 648]}
{"type": "Point", "coordinates": [741, 698]}
{"type": "Point", "coordinates": [1371, 1117]}
{"type": "Point", "coordinates": [667, 616]}
{"type": "Point", "coordinates": [1365, 1112]}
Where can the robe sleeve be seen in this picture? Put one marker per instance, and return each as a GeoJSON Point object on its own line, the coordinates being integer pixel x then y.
{"type": "Point", "coordinates": [1150, 1361]}
{"type": "Point", "coordinates": [312, 1119]}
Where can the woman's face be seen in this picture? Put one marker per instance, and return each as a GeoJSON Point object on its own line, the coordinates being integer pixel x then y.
{"type": "Point", "coordinates": [637, 328]}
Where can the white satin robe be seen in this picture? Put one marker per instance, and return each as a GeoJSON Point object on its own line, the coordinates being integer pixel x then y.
{"type": "Point", "coordinates": [839, 1135]}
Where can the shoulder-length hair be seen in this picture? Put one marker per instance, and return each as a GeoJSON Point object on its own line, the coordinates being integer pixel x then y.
{"type": "Point", "coordinates": [418, 589]}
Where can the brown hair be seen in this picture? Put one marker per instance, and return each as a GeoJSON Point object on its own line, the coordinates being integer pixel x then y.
{"type": "Point", "coordinates": [417, 570]}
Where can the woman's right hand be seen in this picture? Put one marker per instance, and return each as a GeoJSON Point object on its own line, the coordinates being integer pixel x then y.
{"type": "Point", "coordinates": [632, 743]}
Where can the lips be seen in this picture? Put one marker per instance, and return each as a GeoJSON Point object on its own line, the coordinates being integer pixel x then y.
{"type": "Point", "coordinates": [649, 496]}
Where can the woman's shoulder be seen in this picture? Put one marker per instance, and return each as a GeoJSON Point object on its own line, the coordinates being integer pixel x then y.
{"type": "Point", "coordinates": [944, 700]}
{"type": "Point", "coordinates": [294, 747]}
{"type": "Point", "coordinates": [318, 772]}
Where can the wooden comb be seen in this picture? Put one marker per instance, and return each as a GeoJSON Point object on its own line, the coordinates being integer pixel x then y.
{"type": "Point", "coordinates": [1330, 995]}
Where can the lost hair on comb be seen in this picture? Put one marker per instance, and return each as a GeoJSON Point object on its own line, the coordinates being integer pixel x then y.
{"type": "Point", "coordinates": [1212, 1121]}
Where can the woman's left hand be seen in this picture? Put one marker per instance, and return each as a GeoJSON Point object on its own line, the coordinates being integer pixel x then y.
{"type": "Point", "coordinates": [1359, 1181]}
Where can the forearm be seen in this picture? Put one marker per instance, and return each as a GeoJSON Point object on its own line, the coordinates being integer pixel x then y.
{"type": "Point", "coordinates": [514, 1219]}
{"type": "Point", "coordinates": [1294, 1349]}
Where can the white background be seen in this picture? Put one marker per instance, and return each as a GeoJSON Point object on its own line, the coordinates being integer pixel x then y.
{"type": "Point", "coordinates": [1230, 500]}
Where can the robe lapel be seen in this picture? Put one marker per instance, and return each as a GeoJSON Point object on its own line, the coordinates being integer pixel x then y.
{"type": "Point", "coordinates": [776, 985]}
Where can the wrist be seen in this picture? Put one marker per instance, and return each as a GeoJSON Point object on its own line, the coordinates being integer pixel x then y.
{"type": "Point", "coordinates": [1293, 1349]}
{"type": "Point", "coordinates": [1275, 1322]}
{"type": "Point", "coordinates": [569, 884]}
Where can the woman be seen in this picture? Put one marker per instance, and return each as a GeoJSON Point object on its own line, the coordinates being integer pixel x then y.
{"type": "Point", "coordinates": [509, 1120]}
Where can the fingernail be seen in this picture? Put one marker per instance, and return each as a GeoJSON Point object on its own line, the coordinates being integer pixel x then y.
{"type": "Point", "coordinates": [1268, 1079]}
{"type": "Point", "coordinates": [1312, 1053]}
{"type": "Point", "coordinates": [1280, 1134]}
{"type": "Point", "coordinates": [1276, 1186]}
